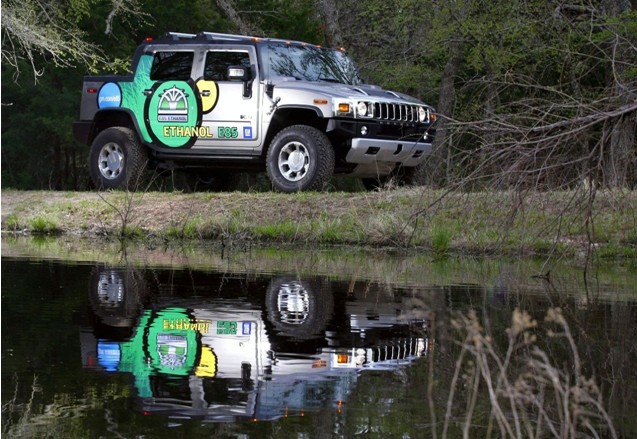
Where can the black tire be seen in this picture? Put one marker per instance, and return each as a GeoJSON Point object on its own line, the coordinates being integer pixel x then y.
{"type": "Point", "coordinates": [299, 309]}
{"type": "Point", "coordinates": [117, 295]}
{"type": "Point", "coordinates": [211, 181]}
{"type": "Point", "coordinates": [117, 159]}
{"type": "Point", "coordinates": [300, 158]}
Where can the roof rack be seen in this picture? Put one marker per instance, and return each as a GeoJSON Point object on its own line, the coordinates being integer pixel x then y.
{"type": "Point", "coordinates": [225, 37]}
{"type": "Point", "coordinates": [177, 36]}
{"type": "Point", "coordinates": [217, 36]}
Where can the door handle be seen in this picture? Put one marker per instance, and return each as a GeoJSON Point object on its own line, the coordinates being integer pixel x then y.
{"type": "Point", "coordinates": [205, 93]}
{"type": "Point", "coordinates": [148, 92]}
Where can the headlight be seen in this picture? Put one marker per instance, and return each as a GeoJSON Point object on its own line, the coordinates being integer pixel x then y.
{"type": "Point", "coordinates": [422, 114]}
{"type": "Point", "coordinates": [361, 109]}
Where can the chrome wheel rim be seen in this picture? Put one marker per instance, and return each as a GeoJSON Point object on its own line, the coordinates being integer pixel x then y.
{"type": "Point", "coordinates": [293, 303]}
{"type": "Point", "coordinates": [111, 161]}
{"type": "Point", "coordinates": [294, 161]}
{"type": "Point", "coordinates": [110, 289]}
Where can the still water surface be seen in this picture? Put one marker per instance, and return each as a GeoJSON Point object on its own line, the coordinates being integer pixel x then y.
{"type": "Point", "coordinates": [116, 350]}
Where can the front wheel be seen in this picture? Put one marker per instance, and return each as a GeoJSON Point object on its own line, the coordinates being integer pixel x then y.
{"type": "Point", "coordinates": [300, 158]}
{"type": "Point", "coordinates": [117, 159]}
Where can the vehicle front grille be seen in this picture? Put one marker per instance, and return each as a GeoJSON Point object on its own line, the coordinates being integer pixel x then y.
{"type": "Point", "coordinates": [396, 112]}
{"type": "Point", "coordinates": [399, 349]}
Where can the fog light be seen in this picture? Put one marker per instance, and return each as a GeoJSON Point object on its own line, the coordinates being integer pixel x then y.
{"type": "Point", "coordinates": [364, 130]}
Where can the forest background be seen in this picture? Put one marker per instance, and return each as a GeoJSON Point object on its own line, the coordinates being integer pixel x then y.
{"type": "Point", "coordinates": [530, 93]}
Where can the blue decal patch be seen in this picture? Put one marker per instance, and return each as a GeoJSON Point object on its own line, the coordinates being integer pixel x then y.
{"type": "Point", "coordinates": [246, 328]}
{"type": "Point", "coordinates": [110, 96]}
{"type": "Point", "coordinates": [247, 132]}
{"type": "Point", "coordinates": [108, 355]}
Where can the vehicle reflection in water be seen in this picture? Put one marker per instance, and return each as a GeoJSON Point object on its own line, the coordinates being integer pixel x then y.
{"type": "Point", "coordinates": [227, 349]}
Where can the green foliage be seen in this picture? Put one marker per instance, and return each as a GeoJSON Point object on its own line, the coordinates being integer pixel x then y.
{"type": "Point", "coordinates": [289, 19]}
{"type": "Point", "coordinates": [12, 223]}
{"type": "Point", "coordinates": [188, 230]}
{"type": "Point", "coordinates": [37, 145]}
{"type": "Point", "coordinates": [131, 232]}
{"type": "Point", "coordinates": [42, 225]}
{"type": "Point", "coordinates": [283, 231]}
{"type": "Point", "coordinates": [440, 243]}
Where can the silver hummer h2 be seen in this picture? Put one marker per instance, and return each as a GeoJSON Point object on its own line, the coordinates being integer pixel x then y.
{"type": "Point", "coordinates": [214, 105]}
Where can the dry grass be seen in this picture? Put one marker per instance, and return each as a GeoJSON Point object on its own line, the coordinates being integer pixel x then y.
{"type": "Point", "coordinates": [526, 390]}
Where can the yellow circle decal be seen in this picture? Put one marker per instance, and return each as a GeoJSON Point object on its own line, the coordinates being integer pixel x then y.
{"type": "Point", "coordinates": [207, 363]}
{"type": "Point", "coordinates": [209, 92]}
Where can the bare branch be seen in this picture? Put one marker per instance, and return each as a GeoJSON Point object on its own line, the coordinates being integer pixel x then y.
{"type": "Point", "coordinates": [31, 28]}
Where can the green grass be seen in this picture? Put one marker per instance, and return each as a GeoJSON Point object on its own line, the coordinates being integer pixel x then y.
{"type": "Point", "coordinates": [132, 232]}
{"type": "Point", "coordinates": [283, 231]}
{"type": "Point", "coordinates": [12, 223]}
{"type": "Point", "coordinates": [44, 226]}
{"type": "Point", "coordinates": [186, 231]}
{"type": "Point", "coordinates": [440, 243]}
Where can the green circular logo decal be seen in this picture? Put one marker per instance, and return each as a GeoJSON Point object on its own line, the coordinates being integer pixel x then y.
{"type": "Point", "coordinates": [173, 114]}
{"type": "Point", "coordinates": [172, 341]}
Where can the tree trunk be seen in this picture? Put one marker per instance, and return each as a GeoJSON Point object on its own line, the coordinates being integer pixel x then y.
{"type": "Point", "coordinates": [437, 170]}
{"type": "Point", "coordinates": [487, 144]}
{"type": "Point", "coordinates": [55, 176]}
{"type": "Point", "coordinates": [621, 152]}
{"type": "Point", "coordinates": [229, 9]}
{"type": "Point", "coordinates": [328, 14]}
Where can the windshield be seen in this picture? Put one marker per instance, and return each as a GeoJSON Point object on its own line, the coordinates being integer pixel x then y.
{"type": "Point", "coordinates": [309, 63]}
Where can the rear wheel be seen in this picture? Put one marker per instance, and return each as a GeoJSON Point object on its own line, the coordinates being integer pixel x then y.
{"type": "Point", "coordinates": [117, 159]}
{"type": "Point", "coordinates": [117, 295]}
{"type": "Point", "coordinates": [300, 158]}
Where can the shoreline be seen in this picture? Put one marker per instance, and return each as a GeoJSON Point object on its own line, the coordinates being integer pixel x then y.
{"type": "Point", "coordinates": [489, 223]}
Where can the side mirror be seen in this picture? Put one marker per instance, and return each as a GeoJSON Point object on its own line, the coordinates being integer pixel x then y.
{"type": "Point", "coordinates": [239, 73]}
{"type": "Point", "coordinates": [245, 74]}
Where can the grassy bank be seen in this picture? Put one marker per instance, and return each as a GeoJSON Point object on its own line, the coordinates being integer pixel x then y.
{"type": "Point", "coordinates": [505, 223]}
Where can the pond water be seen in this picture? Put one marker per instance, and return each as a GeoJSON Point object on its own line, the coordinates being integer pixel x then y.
{"type": "Point", "coordinates": [332, 349]}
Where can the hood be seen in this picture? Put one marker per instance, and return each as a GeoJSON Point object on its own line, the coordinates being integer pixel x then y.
{"type": "Point", "coordinates": [336, 90]}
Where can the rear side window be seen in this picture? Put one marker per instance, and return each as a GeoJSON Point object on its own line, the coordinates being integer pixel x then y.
{"type": "Point", "coordinates": [217, 64]}
{"type": "Point", "coordinates": [171, 65]}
